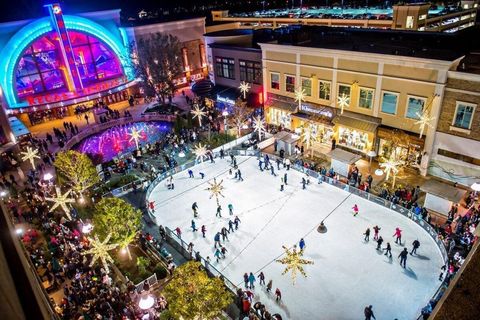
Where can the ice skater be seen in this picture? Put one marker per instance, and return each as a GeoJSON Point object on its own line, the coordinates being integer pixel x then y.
{"type": "Point", "coordinates": [398, 236]}
{"type": "Point", "coordinates": [281, 184]}
{"type": "Point", "coordinates": [202, 175]}
{"type": "Point", "coordinates": [230, 209]}
{"type": "Point", "coordinates": [218, 254]}
{"type": "Point", "coordinates": [251, 280]}
{"type": "Point", "coordinates": [245, 280]}
{"type": "Point", "coordinates": [219, 211]}
{"type": "Point", "coordinates": [285, 178]}
{"type": "Point", "coordinates": [204, 230]}
{"type": "Point", "coordinates": [278, 293]}
{"type": "Point", "coordinates": [375, 232]}
{"type": "Point", "coordinates": [301, 244]}
{"type": "Point", "coordinates": [368, 312]}
{"type": "Point", "coordinates": [179, 232]}
{"type": "Point", "coordinates": [151, 206]}
{"type": "Point", "coordinates": [416, 245]}
{"type": "Point", "coordinates": [224, 233]}
{"type": "Point", "coordinates": [355, 210]}
{"type": "Point", "coordinates": [278, 164]}
{"type": "Point", "coordinates": [367, 235]}
{"type": "Point", "coordinates": [388, 250]}
{"type": "Point", "coordinates": [190, 173]}
{"type": "Point", "coordinates": [224, 251]}
{"type": "Point", "coordinates": [239, 175]}
{"type": "Point", "coordinates": [195, 209]}
{"type": "Point", "coordinates": [230, 226]}
{"type": "Point", "coordinates": [379, 243]}
{"type": "Point", "coordinates": [236, 222]}
{"type": "Point", "coordinates": [304, 183]}
{"type": "Point", "coordinates": [261, 276]}
{"type": "Point", "coordinates": [403, 257]}
{"type": "Point", "coordinates": [272, 170]}
{"type": "Point", "coordinates": [216, 239]}
{"type": "Point", "coordinates": [269, 285]}
{"type": "Point", "coordinates": [193, 226]}
{"type": "Point", "coordinates": [260, 164]}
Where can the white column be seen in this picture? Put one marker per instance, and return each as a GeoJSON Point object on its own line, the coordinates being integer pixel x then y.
{"type": "Point", "coordinates": [333, 88]}
{"type": "Point", "coordinates": [378, 90]}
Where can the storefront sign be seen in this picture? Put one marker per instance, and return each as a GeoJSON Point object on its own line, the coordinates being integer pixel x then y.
{"type": "Point", "coordinates": [322, 111]}
{"type": "Point", "coordinates": [225, 100]}
{"type": "Point", "coordinates": [57, 97]}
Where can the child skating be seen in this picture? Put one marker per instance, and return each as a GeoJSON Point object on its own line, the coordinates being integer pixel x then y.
{"type": "Point", "coordinates": [355, 210]}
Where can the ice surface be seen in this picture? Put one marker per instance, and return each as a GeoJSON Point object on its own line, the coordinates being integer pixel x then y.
{"type": "Point", "coordinates": [348, 273]}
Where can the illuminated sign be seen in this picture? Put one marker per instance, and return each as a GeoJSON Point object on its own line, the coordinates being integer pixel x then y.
{"type": "Point", "coordinates": [225, 100]}
{"type": "Point", "coordinates": [322, 111]}
{"type": "Point", "coordinates": [57, 97]}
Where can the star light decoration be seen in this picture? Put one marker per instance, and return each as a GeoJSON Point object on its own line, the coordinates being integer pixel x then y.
{"type": "Point", "coordinates": [200, 152]}
{"type": "Point", "coordinates": [30, 155]}
{"type": "Point", "coordinates": [198, 113]}
{"type": "Point", "coordinates": [309, 135]}
{"type": "Point", "coordinates": [244, 88]}
{"type": "Point", "coordinates": [135, 135]}
{"type": "Point", "coordinates": [99, 250]}
{"type": "Point", "coordinates": [294, 262]}
{"type": "Point", "coordinates": [61, 200]}
{"type": "Point", "coordinates": [259, 126]}
{"type": "Point", "coordinates": [216, 189]}
{"type": "Point", "coordinates": [424, 121]}
{"type": "Point", "coordinates": [343, 102]}
{"type": "Point", "coordinates": [391, 166]}
{"type": "Point", "coordinates": [300, 96]}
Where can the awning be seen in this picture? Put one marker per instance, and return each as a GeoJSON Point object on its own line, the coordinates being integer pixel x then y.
{"type": "Point", "coordinates": [357, 121]}
{"type": "Point", "coordinates": [202, 87]}
{"type": "Point", "coordinates": [18, 128]}
{"type": "Point", "coordinates": [312, 118]}
{"type": "Point", "coordinates": [443, 190]}
{"type": "Point", "coordinates": [343, 156]}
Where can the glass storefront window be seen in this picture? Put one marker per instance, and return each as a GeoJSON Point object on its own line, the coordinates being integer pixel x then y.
{"type": "Point", "coordinates": [354, 139]}
{"type": "Point", "coordinates": [280, 118]}
{"type": "Point", "coordinates": [410, 154]}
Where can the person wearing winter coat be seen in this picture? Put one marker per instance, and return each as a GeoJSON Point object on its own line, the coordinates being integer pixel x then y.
{"type": "Point", "coordinates": [416, 245]}
{"type": "Point", "coordinates": [251, 280]}
{"type": "Point", "coordinates": [403, 257]}
{"type": "Point", "coordinates": [368, 312]}
{"type": "Point", "coordinates": [216, 238]}
{"type": "Point", "coordinates": [379, 243]}
{"type": "Point", "coordinates": [398, 235]}
{"type": "Point", "coordinates": [269, 285]}
{"type": "Point", "coordinates": [278, 294]}
{"type": "Point", "coordinates": [375, 232]}
{"type": "Point", "coordinates": [388, 250]}
{"type": "Point", "coordinates": [261, 276]}
{"type": "Point", "coordinates": [367, 234]}
{"type": "Point", "coordinates": [245, 280]}
{"type": "Point", "coordinates": [301, 244]}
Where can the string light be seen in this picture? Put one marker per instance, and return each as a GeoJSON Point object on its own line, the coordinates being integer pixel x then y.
{"type": "Point", "coordinates": [200, 152]}
{"type": "Point", "coordinates": [244, 88]}
{"type": "Point", "coordinates": [343, 102]}
{"type": "Point", "coordinates": [31, 154]}
{"type": "Point", "coordinates": [259, 126]}
{"type": "Point", "coordinates": [300, 96]}
{"type": "Point", "coordinates": [198, 113]}
{"type": "Point", "coordinates": [61, 200]}
{"type": "Point", "coordinates": [99, 251]}
{"type": "Point", "coordinates": [135, 135]}
{"type": "Point", "coordinates": [424, 121]}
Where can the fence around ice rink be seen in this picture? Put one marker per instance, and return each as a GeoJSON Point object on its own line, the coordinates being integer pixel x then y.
{"type": "Point", "coordinates": [181, 246]}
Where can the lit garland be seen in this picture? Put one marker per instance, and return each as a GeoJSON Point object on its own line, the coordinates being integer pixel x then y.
{"type": "Point", "coordinates": [215, 189]}
{"type": "Point", "coordinates": [309, 135]}
{"type": "Point", "coordinates": [61, 200]}
{"type": "Point", "coordinates": [135, 135]}
{"type": "Point", "coordinates": [259, 126]}
{"type": "Point", "coordinates": [244, 88]}
{"type": "Point", "coordinates": [198, 113]}
{"type": "Point", "coordinates": [424, 121]}
{"type": "Point", "coordinates": [300, 96]}
{"type": "Point", "coordinates": [31, 155]}
{"type": "Point", "coordinates": [99, 250]}
{"type": "Point", "coordinates": [294, 262]}
{"type": "Point", "coordinates": [343, 102]}
{"type": "Point", "coordinates": [391, 166]}
{"type": "Point", "coordinates": [200, 152]}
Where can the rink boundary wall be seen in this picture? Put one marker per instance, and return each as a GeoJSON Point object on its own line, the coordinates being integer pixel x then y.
{"type": "Point", "coordinates": [181, 246]}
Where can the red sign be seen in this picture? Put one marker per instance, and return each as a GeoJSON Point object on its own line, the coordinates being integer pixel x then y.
{"type": "Point", "coordinates": [58, 97]}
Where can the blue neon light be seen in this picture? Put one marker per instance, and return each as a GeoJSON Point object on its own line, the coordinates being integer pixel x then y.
{"type": "Point", "coordinates": [13, 50]}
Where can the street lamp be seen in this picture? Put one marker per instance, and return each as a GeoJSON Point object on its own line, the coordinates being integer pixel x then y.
{"type": "Point", "coordinates": [146, 301]}
{"type": "Point", "coordinates": [181, 154]}
{"type": "Point", "coordinates": [225, 115]}
{"type": "Point", "coordinates": [379, 172]}
{"type": "Point", "coordinates": [47, 176]}
{"type": "Point", "coordinates": [371, 154]}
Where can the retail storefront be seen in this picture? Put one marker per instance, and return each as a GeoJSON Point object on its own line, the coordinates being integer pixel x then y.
{"type": "Point", "coordinates": [319, 118]}
{"type": "Point", "coordinates": [407, 146]}
{"type": "Point", "coordinates": [279, 110]}
{"type": "Point", "coordinates": [355, 131]}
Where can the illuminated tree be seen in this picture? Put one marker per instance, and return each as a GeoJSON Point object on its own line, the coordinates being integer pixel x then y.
{"type": "Point", "coordinates": [240, 115]}
{"type": "Point", "coordinates": [157, 61]}
{"type": "Point", "coordinates": [117, 217]}
{"type": "Point", "coordinates": [191, 294]}
{"type": "Point", "coordinates": [77, 169]}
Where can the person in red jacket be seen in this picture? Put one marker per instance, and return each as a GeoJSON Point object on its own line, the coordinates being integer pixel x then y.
{"type": "Point", "coordinates": [398, 235]}
{"type": "Point", "coordinates": [278, 294]}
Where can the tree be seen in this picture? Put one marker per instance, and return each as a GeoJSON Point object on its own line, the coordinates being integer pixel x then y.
{"type": "Point", "coordinates": [78, 169]}
{"type": "Point", "coordinates": [240, 115]}
{"type": "Point", "coordinates": [191, 294]}
{"type": "Point", "coordinates": [120, 219]}
{"type": "Point", "coordinates": [157, 61]}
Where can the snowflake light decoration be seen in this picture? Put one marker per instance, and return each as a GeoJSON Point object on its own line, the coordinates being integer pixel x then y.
{"type": "Point", "coordinates": [198, 113]}
{"type": "Point", "coordinates": [325, 89]}
{"type": "Point", "coordinates": [244, 88]}
{"type": "Point", "coordinates": [61, 200]}
{"type": "Point", "coordinates": [216, 189]}
{"type": "Point", "coordinates": [200, 152]}
{"type": "Point", "coordinates": [135, 135]}
{"type": "Point", "coordinates": [309, 135]}
{"type": "Point", "coordinates": [30, 155]}
{"type": "Point", "coordinates": [99, 250]}
{"type": "Point", "coordinates": [391, 166]}
{"type": "Point", "coordinates": [300, 96]}
{"type": "Point", "coordinates": [343, 102]}
{"type": "Point", "coordinates": [294, 262]}
{"type": "Point", "coordinates": [259, 126]}
{"type": "Point", "coordinates": [424, 121]}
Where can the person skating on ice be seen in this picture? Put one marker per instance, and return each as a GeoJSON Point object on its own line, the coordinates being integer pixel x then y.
{"type": "Point", "coordinates": [278, 164]}
{"type": "Point", "coordinates": [368, 312]}
{"type": "Point", "coordinates": [261, 276]}
{"type": "Point", "coordinates": [355, 210]}
{"type": "Point", "coordinates": [193, 226]}
{"type": "Point", "coordinates": [230, 226]}
{"type": "Point", "coordinates": [195, 209]}
{"type": "Point", "coordinates": [388, 250]}
{"type": "Point", "coordinates": [269, 285]}
{"type": "Point", "coordinates": [301, 244]}
{"type": "Point", "coordinates": [398, 236]}
{"type": "Point", "coordinates": [204, 230]}
{"type": "Point", "coordinates": [379, 243]}
{"type": "Point", "coordinates": [367, 235]}
{"type": "Point", "coordinates": [278, 295]}
{"type": "Point", "coordinates": [236, 222]}
{"type": "Point", "coordinates": [245, 280]}
{"type": "Point", "coordinates": [304, 183]}
{"type": "Point", "coordinates": [219, 211]}
{"type": "Point", "coordinates": [216, 239]}
{"type": "Point", "coordinates": [285, 178]}
{"type": "Point", "coordinates": [218, 254]}
{"type": "Point", "coordinates": [190, 173]}
{"type": "Point", "coordinates": [272, 170]}
{"type": "Point", "coordinates": [403, 257]}
{"type": "Point", "coordinates": [251, 280]}
{"type": "Point", "coordinates": [415, 246]}
{"type": "Point", "coordinates": [375, 232]}
{"type": "Point", "coordinates": [230, 209]}
{"type": "Point", "coordinates": [179, 232]}
{"type": "Point", "coordinates": [281, 184]}
{"type": "Point", "coordinates": [223, 250]}
{"type": "Point", "coordinates": [224, 233]}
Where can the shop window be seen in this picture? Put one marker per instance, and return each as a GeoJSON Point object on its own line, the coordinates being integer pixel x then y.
{"type": "Point", "coordinates": [365, 98]}
{"type": "Point", "coordinates": [289, 83]}
{"type": "Point", "coordinates": [225, 67]}
{"type": "Point", "coordinates": [389, 102]}
{"type": "Point", "coordinates": [463, 115]}
{"type": "Point", "coordinates": [353, 139]}
{"type": "Point", "coordinates": [250, 71]}
{"type": "Point", "coordinates": [409, 22]}
{"type": "Point", "coordinates": [324, 89]}
{"type": "Point", "coordinates": [307, 86]}
{"type": "Point", "coordinates": [344, 90]}
{"type": "Point", "coordinates": [415, 107]}
{"type": "Point", "coordinates": [275, 81]}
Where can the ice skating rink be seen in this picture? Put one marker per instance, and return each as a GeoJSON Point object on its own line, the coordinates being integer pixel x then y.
{"type": "Point", "coordinates": [348, 273]}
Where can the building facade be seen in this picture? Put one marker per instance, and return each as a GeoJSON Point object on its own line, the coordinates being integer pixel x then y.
{"type": "Point", "coordinates": [363, 101]}
{"type": "Point", "coordinates": [456, 155]}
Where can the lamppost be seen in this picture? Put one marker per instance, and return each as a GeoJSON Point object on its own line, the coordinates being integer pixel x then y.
{"type": "Point", "coordinates": [146, 301]}
{"type": "Point", "coordinates": [371, 154]}
{"type": "Point", "coordinates": [225, 115]}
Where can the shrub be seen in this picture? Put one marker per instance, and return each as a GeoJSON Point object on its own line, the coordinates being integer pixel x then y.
{"type": "Point", "coordinates": [160, 271]}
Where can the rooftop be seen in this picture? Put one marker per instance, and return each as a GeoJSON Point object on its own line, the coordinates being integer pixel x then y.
{"type": "Point", "coordinates": [439, 46]}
